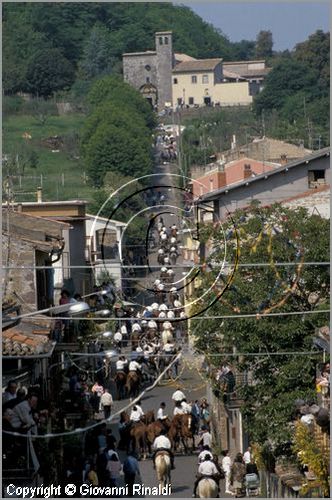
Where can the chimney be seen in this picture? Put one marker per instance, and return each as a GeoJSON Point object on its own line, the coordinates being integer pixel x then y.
{"type": "Point", "coordinates": [247, 171]}
{"type": "Point", "coordinates": [283, 159]}
{"type": "Point", "coordinates": [39, 195]}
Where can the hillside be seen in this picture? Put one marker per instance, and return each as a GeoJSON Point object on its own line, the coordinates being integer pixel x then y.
{"type": "Point", "coordinates": [73, 31]}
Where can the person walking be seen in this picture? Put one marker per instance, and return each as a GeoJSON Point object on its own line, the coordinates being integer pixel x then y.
{"type": "Point", "coordinates": [226, 464]}
{"type": "Point", "coordinates": [238, 472]}
{"type": "Point", "coordinates": [106, 402]}
{"type": "Point", "coordinates": [131, 470]}
{"type": "Point", "coordinates": [247, 456]}
{"type": "Point", "coordinates": [114, 469]}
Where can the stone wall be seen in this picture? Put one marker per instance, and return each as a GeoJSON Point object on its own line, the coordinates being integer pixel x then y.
{"type": "Point", "coordinates": [21, 281]}
{"type": "Point", "coordinates": [135, 72]}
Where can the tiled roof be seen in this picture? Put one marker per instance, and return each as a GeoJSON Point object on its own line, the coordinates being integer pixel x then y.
{"type": "Point", "coordinates": [197, 65]}
{"type": "Point", "coordinates": [183, 57]}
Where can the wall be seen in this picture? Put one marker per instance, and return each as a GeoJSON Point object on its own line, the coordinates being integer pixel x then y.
{"type": "Point", "coordinates": [20, 280]}
{"type": "Point", "coordinates": [227, 94]}
{"type": "Point", "coordinates": [274, 189]}
{"type": "Point", "coordinates": [164, 63]}
{"type": "Point", "coordinates": [134, 71]}
{"type": "Point", "coordinates": [195, 90]}
{"type": "Point", "coordinates": [232, 94]}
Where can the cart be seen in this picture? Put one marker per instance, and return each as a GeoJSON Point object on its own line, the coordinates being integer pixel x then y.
{"type": "Point", "coordinates": [252, 485]}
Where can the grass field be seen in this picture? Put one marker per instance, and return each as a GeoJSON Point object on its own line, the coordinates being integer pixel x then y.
{"type": "Point", "coordinates": [59, 173]}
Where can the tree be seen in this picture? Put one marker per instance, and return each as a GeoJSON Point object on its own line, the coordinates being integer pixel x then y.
{"type": "Point", "coordinates": [285, 79]}
{"type": "Point", "coordinates": [266, 235]}
{"type": "Point", "coordinates": [264, 44]}
{"type": "Point", "coordinates": [48, 71]}
{"type": "Point", "coordinates": [41, 110]}
{"type": "Point", "coordinates": [96, 60]}
{"type": "Point", "coordinates": [114, 89]}
{"type": "Point", "coordinates": [316, 53]}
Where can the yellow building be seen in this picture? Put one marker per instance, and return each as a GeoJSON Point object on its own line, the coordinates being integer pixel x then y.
{"type": "Point", "coordinates": [206, 82]}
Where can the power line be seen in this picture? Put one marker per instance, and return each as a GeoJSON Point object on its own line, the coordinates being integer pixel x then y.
{"type": "Point", "coordinates": [161, 320]}
{"type": "Point", "coordinates": [254, 264]}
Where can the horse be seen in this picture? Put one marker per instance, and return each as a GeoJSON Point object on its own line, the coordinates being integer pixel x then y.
{"type": "Point", "coordinates": [207, 488]}
{"type": "Point", "coordinates": [148, 418]}
{"type": "Point", "coordinates": [133, 435]}
{"type": "Point", "coordinates": [132, 384]}
{"type": "Point", "coordinates": [135, 340]}
{"type": "Point", "coordinates": [180, 431]}
{"type": "Point", "coordinates": [172, 257]}
{"type": "Point", "coordinates": [163, 468]}
{"type": "Point", "coordinates": [154, 429]}
{"type": "Point", "coordinates": [120, 381]}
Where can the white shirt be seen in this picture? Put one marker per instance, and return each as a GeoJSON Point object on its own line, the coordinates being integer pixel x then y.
{"type": "Point", "coordinates": [134, 366]}
{"type": "Point", "coordinates": [162, 442]}
{"type": "Point", "coordinates": [203, 454]}
{"type": "Point", "coordinates": [121, 364]}
{"type": "Point", "coordinates": [178, 411]}
{"type": "Point", "coordinates": [118, 337]}
{"type": "Point", "coordinates": [247, 457]}
{"type": "Point", "coordinates": [178, 396]}
{"type": "Point", "coordinates": [207, 468]}
{"type": "Point", "coordinates": [186, 407]}
{"type": "Point", "coordinates": [123, 329]}
{"type": "Point", "coordinates": [140, 411]}
{"type": "Point", "coordinates": [160, 414]}
{"type": "Point", "coordinates": [135, 416]}
{"type": "Point", "coordinates": [136, 328]}
{"type": "Point", "coordinates": [152, 324]}
{"type": "Point", "coordinates": [226, 464]}
{"type": "Point", "coordinates": [168, 347]}
{"type": "Point", "coordinates": [207, 439]}
{"type": "Point", "coordinates": [106, 399]}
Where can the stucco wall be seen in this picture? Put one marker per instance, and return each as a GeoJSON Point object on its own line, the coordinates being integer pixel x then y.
{"type": "Point", "coordinates": [227, 94]}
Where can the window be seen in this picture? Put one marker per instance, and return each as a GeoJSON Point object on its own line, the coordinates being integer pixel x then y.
{"type": "Point", "coordinates": [160, 40]}
{"type": "Point", "coordinates": [147, 79]}
{"type": "Point", "coordinates": [194, 79]}
{"type": "Point", "coordinates": [148, 67]}
{"type": "Point", "coordinates": [316, 178]}
{"type": "Point", "coordinates": [205, 79]}
{"type": "Point", "coordinates": [175, 80]}
{"type": "Point", "coordinates": [191, 100]}
{"type": "Point", "coordinates": [166, 40]}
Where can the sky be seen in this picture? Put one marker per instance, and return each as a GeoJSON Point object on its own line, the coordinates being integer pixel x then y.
{"type": "Point", "coordinates": [289, 21]}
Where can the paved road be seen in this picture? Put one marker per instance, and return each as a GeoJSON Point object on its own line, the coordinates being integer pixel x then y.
{"type": "Point", "coordinates": [191, 382]}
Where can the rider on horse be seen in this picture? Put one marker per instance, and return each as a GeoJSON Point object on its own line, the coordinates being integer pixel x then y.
{"type": "Point", "coordinates": [208, 470]}
{"type": "Point", "coordinates": [121, 364]}
{"type": "Point", "coordinates": [162, 443]}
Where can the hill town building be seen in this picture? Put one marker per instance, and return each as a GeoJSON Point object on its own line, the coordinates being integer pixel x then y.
{"type": "Point", "coordinates": [169, 79]}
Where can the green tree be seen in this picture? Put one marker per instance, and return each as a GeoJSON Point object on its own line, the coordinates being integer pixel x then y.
{"type": "Point", "coordinates": [264, 45]}
{"type": "Point", "coordinates": [48, 71]}
{"type": "Point", "coordinates": [285, 79]}
{"type": "Point", "coordinates": [114, 89]}
{"type": "Point", "coordinates": [96, 60]}
{"type": "Point", "coordinates": [316, 53]}
{"type": "Point", "coordinates": [266, 236]}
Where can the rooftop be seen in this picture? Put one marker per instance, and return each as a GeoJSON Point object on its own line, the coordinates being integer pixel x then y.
{"type": "Point", "coordinates": [146, 53]}
{"type": "Point", "coordinates": [26, 340]}
{"type": "Point", "coordinates": [313, 156]}
{"type": "Point", "coordinates": [197, 65]}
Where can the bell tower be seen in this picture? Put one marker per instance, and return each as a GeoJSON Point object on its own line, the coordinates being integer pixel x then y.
{"type": "Point", "coordinates": [165, 62]}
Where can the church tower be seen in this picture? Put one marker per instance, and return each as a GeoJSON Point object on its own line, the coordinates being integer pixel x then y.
{"type": "Point", "coordinates": [165, 62]}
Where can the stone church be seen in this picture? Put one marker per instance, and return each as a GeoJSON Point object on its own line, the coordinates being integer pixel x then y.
{"type": "Point", "coordinates": [169, 80]}
{"type": "Point", "coordinates": [150, 72]}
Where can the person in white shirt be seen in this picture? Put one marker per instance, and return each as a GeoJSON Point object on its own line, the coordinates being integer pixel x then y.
{"type": "Point", "coordinates": [203, 453]}
{"type": "Point", "coordinates": [206, 439]}
{"type": "Point", "coordinates": [178, 395]}
{"type": "Point", "coordinates": [134, 366]}
{"type": "Point", "coordinates": [139, 408]}
{"type": "Point", "coordinates": [135, 415]}
{"type": "Point", "coordinates": [136, 328]}
{"type": "Point", "coordinates": [106, 402]}
{"type": "Point", "coordinates": [121, 364]}
{"type": "Point", "coordinates": [178, 410]}
{"type": "Point", "coordinates": [168, 348]}
{"type": "Point", "coordinates": [161, 412]}
{"type": "Point", "coordinates": [118, 339]}
{"type": "Point", "coordinates": [123, 330]}
{"type": "Point", "coordinates": [207, 469]}
{"type": "Point", "coordinates": [186, 407]}
{"type": "Point", "coordinates": [226, 464]}
{"type": "Point", "coordinates": [162, 443]}
{"type": "Point", "coordinates": [22, 417]}
{"type": "Point", "coordinates": [247, 456]}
